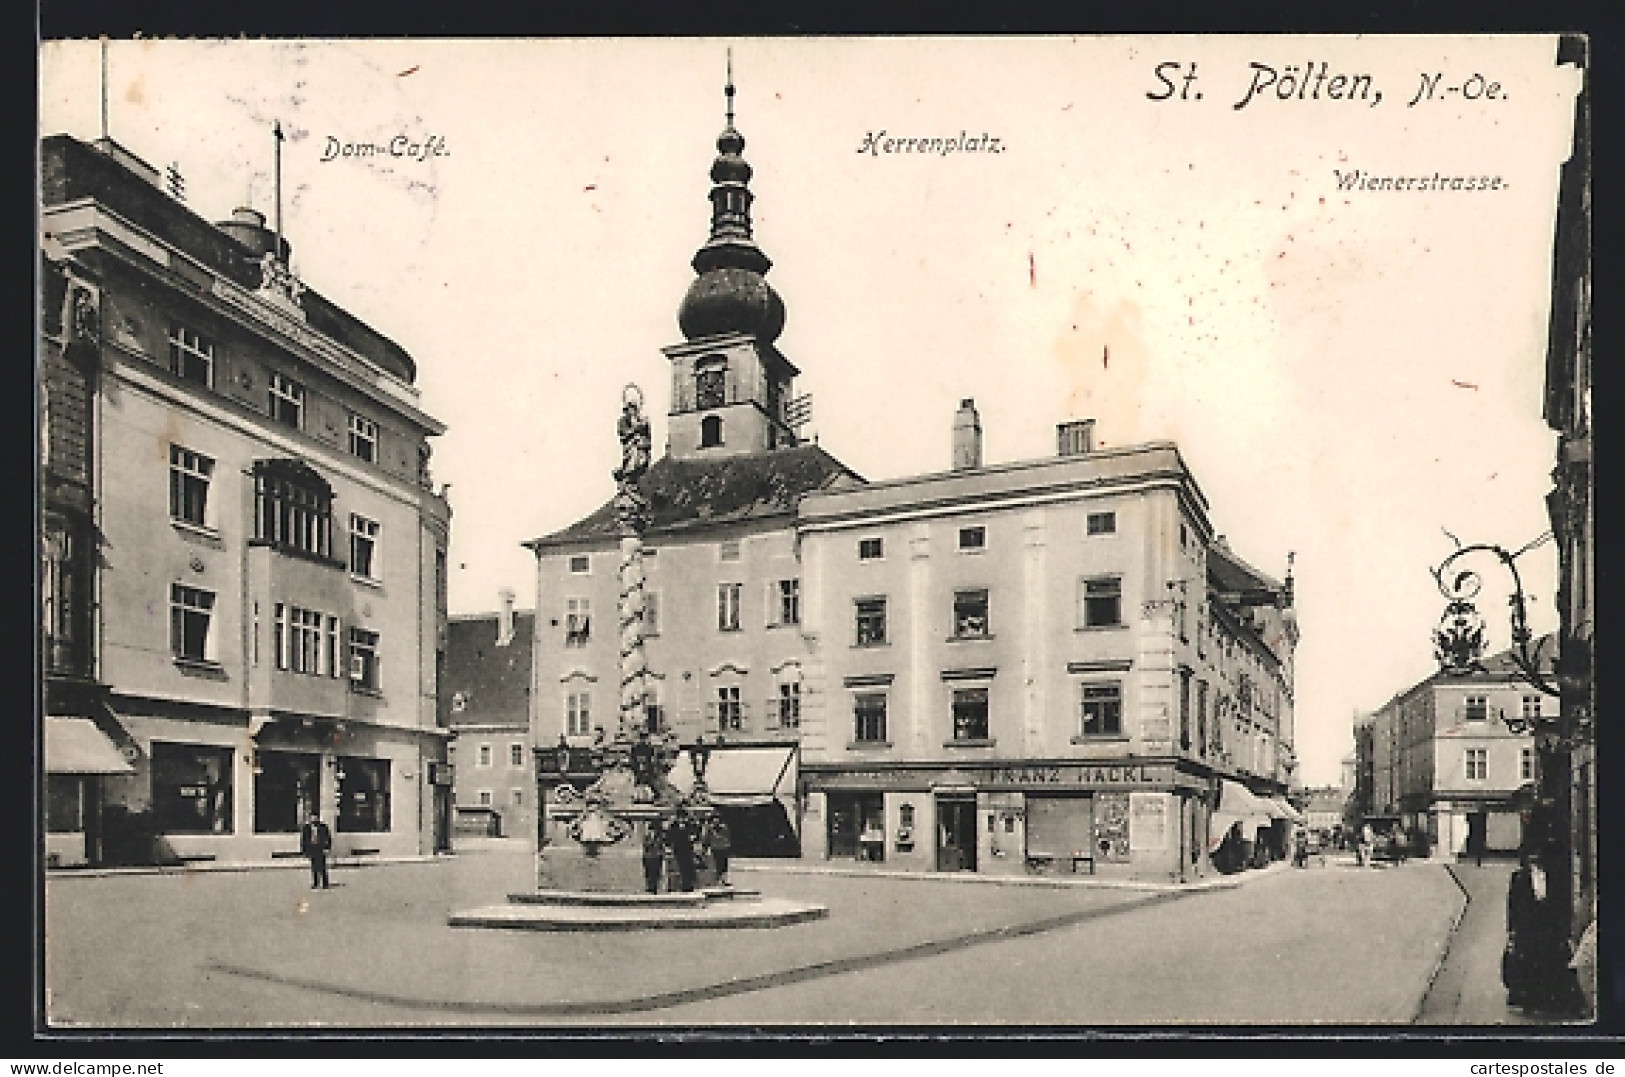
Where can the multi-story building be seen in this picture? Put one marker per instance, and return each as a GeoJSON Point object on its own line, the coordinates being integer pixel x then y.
{"type": "Point", "coordinates": [1445, 762]}
{"type": "Point", "coordinates": [487, 684]}
{"type": "Point", "coordinates": [1043, 664]}
{"type": "Point", "coordinates": [245, 551]}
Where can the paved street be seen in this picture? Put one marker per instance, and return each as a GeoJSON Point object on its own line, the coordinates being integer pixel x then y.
{"type": "Point", "coordinates": [257, 949]}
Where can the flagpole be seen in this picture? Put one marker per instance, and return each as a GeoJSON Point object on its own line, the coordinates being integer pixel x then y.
{"type": "Point", "coordinates": [277, 130]}
{"type": "Point", "coordinates": [104, 86]}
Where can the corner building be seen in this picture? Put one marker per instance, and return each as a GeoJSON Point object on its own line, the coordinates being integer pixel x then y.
{"type": "Point", "coordinates": [259, 572]}
{"type": "Point", "coordinates": [1036, 667]}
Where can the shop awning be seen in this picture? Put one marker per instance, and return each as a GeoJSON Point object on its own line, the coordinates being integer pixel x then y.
{"type": "Point", "coordinates": [76, 746]}
{"type": "Point", "coordinates": [742, 777]}
{"type": "Point", "coordinates": [1288, 812]}
{"type": "Point", "coordinates": [1237, 805]}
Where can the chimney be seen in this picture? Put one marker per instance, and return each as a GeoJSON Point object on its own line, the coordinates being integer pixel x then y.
{"type": "Point", "coordinates": [505, 618]}
{"type": "Point", "coordinates": [247, 227]}
{"type": "Point", "coordinates": [967, 436]}
{"type": "Point", "coordinates": [1075, 438]}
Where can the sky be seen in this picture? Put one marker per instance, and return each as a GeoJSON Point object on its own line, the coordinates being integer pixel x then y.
{"type": "Point", "coordinates": [1350, 374]}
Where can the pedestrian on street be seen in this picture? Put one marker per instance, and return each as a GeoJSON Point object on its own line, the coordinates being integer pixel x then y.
{"type": "Point", "coordinates": [1368, 845]}
{"type": "Point", "coordinates": [314, 842]}
{"type": "Point", "coordinates": [720, 841]}
{"type": "Point", "coordinates": [654, 858]}
{"type": "Point", "coordinates": [680, 837]}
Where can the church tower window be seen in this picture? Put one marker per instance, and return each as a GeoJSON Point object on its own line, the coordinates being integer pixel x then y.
{"type": "Point", "coordinates": [710, 383]}
{"type": "Point", "coordinates": [710, 431]}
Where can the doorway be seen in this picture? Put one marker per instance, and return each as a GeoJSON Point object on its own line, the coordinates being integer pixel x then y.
{"type": "Point", "coordinates": [956, 834]}
{"type": "Point", "coordinates": [1477, 833]}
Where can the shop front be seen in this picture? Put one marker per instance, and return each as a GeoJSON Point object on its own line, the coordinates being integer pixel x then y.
{"type": "Point", "coordinates": [78, 756]}
{"type": "Point", "coordinates": [1144, 819]}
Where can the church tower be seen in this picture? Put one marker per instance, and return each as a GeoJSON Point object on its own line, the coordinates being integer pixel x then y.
{"type": "Point", "coordinates": [730, 387]}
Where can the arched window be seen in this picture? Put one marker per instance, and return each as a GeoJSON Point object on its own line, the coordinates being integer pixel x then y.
{"type": "Point", "coordinates": [710, 431]}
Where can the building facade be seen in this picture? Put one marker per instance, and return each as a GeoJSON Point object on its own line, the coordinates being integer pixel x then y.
{"type": "Point", "coordinates": [1444, 761]}
{"type": "Point", "coordinates": [249, 559]}
{"type": "Point", "coordinates": [487, 685]}
{"type": "Point", "coordinates": [1045, 666]}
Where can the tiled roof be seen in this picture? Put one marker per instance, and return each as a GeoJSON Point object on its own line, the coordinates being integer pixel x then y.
{"type": "Point", "coordinates": [688, 494]}
{"type": "Point", "coordinates": [493, 681]}
{"type": "Point", "coordinates": [1229, 573]}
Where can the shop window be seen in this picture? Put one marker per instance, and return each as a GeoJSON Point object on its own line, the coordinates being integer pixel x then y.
{"type": "Point", "coordinates": [1101, 523]}
{"type": "Point", "coordinates": [286, 786]}
{"type": "Point", "coordinates": [857, 825]}
{"type": "Point", "coordinates": [189, 476]}
{"type": "Point", "coordinates": [577, 622]}
{"type": "Point", "coordinates": [728, 606]}
{"type": "Point", "coordinates": [364, 561]}
{"type": "Point", "coordinates": [871, 621]}
{"type": "Point", "coordinates": [363, 438]}
{"type": "Point", "coordinates": [64, 803]}
{"type": "Point", "coordinates": [1103, 602]}
{"type": "Point", "coordinates": [972, 538]}
{"type": "Point", "coordinates": [192, 788]}
{"type": "Point", "coordinates": [364, 671]}
{"type": "Point", "coordinates": [970, 714]}
{"type": "Point", "coordinates": [293, 508]}
{"type": "Point", "coordinates": [363, 795]}
{"type": "Point", "coordinates": [190, 356]}
{"type": "Point", "coordinates": [970, 614]}
{"type": "Point", "coordinates": [287, 401]}
{"type": "Point", "coordinates": [191, 611]}
{"type": "Point", "coordinates": [869, 717]}
{"type": "Point", "coordinates": [1103, 709]}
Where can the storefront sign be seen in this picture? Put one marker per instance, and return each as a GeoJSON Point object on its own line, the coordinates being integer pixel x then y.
{"type": "Point", "coordinates": [1024, 776]}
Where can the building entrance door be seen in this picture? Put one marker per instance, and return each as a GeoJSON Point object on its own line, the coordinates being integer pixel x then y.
{"type": "Point", "coordinates": [1477, 833]}
{"type": "Point", "coordinates": [956, 834]}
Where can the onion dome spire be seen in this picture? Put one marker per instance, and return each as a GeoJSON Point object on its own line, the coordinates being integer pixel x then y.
{"type": "Point", "coordinates": [729, 295]}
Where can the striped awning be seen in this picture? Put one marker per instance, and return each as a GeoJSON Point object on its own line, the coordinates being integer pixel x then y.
{"type": "Point", "coordinates": [76, 746]}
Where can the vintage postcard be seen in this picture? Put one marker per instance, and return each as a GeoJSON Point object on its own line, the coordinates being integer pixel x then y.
{"type": "Point", "coordinates": [1078, 532]}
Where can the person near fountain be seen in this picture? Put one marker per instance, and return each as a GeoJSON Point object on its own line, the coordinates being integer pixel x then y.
{"type": "Point", "coordinates": [654, 858]}
{"type": "Point", "coordinates": [680, 837]}
{"type": "Point", "coordinates": [719, 841]}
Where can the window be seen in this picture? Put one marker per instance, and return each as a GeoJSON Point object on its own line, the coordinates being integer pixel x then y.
{"type": "Point", "coordinates": [1103, 602]}
{"type": "Point", "coordinates": [730, 717]}
{"type": "Point", "coordinates": [364, 547]}
{"type": "Point", "coordinates": [287, 404]}
{"type": "Point", "coordinates": [728, 607]}
{"type": "Point", "coordinates": [189, 474]}
{"type": "Point", "coordinates": [789, 602]}
{"type": "Point", "coordinates": [363, 438]}
{"type": "Point", "coordinates": [972, 538]}
{"type": "Point", "coordinates": [299, 638]}
{"type": "Point", "coordinates": [1531, 708]}
{"type": "Point", "coordinates": [651, 613]}
{"type": "Point", "coordinates": [970, 614]}
{"type": "Point", "coordinates": [364, 659]}
{"type": "Point", "coordinates": [516, 797]}
{"type": "Point", "coordinates": [580, 564]}
{"type": "Point", "coordinates": [363, 795]}
{"type": "Point", "coordinates": [191, 788]}
{"type": "Point", "coordinates": [1201, 717]}
{"type": "Point", "coordinates": [1526, 765]}
{"type": "Point", "coordinates": [293, 508]}
{"type": "Point", "coordinates": [577, 622]}
{"type": "Point", "coordinates": [190, 356]}
{"type": "Point", "coordinates": [62, 596]}
{"type": "Point", "coordinates": [485, 756]}
{"type": "Point", "coordinates": [1477, 708]}
{"type": "Point", "coordinates": [711, 384]}
{"type": "Point", "coordinates": [788, 705]}
{"type": "Point", "coordinates": [1184, 536]}
{"type": "Point", "coordinates": [728, 551]}
{"type": "Point", "coordinates": [871, 621]}
{"type": "Point", "coordinates": [1103, 709]}
{"type": "Point", "coordinates": [869, 717]}
{"type": "Point", "coordinates": [871, 549]}
{"type": "Point", "coordinates": [190, 610]}
{"type": "Point", "coordinates": [578, 714]}
{"type": "Point", "coordinates": [485, 798]}
{"type": "Point", "coordinates": [970, 714]}
{"type": "Point", "coordinates": [1185, 708]}
{"type": "Point", "coordinates": [1478, 764]}
{"type": "Point", "coordinates": [285, 790]}
{"type": "Point", "coordinates": [516, 755]}
{"type": "Point", "coordinates": [710, 432]}
{"type": "Point", "coordinates": [1101, 523]}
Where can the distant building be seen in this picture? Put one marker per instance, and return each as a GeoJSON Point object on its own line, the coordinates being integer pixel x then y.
{"type": "Point", "coordinates": [1323, 806]}
{"type": "Point", "coordinates": [243, 558]}
{"type": "Point", "coordinates": [487, 683]}
{"type": "Point", "coordinates": [1442, 759]}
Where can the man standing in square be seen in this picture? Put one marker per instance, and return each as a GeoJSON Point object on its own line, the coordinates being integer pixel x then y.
{"type": "Point", "coordinates": [314, 841]}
